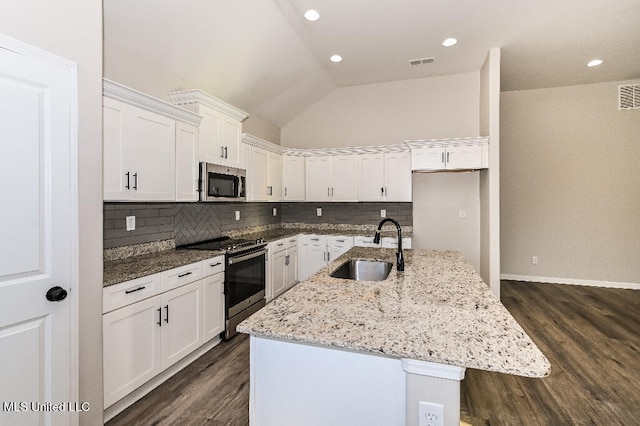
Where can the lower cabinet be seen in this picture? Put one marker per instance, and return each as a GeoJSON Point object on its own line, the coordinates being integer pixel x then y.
{"type": "Point", "coordinates": [317, 250]}
{"type": "Point", "coordinates": [142, 338]}
{"type": "Point", "coordinates": [282, 265]}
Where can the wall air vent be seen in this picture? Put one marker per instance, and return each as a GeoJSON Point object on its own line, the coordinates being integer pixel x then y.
{"type": "Point", "coordinates": [629, 96]}
{"type": "Point", "coordinates": [422, 61]}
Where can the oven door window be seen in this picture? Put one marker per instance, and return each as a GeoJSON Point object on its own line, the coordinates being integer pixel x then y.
{"type": "Point", "coordinates": [220, 185]}
{"type": "Point", "coordinates": [244, 279]}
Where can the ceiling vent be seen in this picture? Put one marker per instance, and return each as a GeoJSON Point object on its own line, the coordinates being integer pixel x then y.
{"type": "Point", "coordinates": [629, 96]}
{"type": "Point", "coordinates": [422, 61]}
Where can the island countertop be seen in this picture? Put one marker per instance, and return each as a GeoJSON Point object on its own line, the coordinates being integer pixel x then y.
{"type": "Point", "coordinates": [437, 310]}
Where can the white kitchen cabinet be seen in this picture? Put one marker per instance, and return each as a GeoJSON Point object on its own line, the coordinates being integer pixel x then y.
{"type": "Point", "coordinates": [264, 171]}
{"type": "Point", "coordinates": [392, 242]}
{"type": "Point", "coordinates": [139, 153]}
{"type": "Point", "coordinates": [139, 146]}
{"type": "Point", "coordinates": [282, 266]}
{"type": "Point", "coordinates": [186, 162]}
{"type": "Point", "coordinates": [362, 241]}
{"type": "Point", "coordinates": [332, 178]}
{"type": "Point", "coordinates": [182, 323]}
{"type": "Point", "coordinates": [315, 251]}
{"type": "Point", "coordinates": [213, 271]}
{"type": "Point", "coordinates": [454, 154]}
{"type": "Point", "coordinates": [385, 177]}
{"type": "Point", "coordinates": [220, 129]}
{"type": "Point", "coordinates": [293, 178]}
{"type": "Point", "coordinates": [131, 349]}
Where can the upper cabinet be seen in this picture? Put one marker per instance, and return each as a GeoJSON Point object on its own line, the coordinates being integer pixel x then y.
{"type": "Point", "coordinates": [449, 154]}
{"type": "Point", "coordinates": [264, 168]}
{"type": "Point", "coordinates": [385, 176]}
{"type": "Point", "coordinates": [221, 127]}
{"type": "Point", "coordinates": [293, 179]}
{"type": "Point", "coordinates": [332, 178]}
{"type": "Point", "coordinates": [139, 137]}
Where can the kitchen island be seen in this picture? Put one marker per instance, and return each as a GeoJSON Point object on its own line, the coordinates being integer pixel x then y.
{"type": "Point", "coordinates": [336, 351]}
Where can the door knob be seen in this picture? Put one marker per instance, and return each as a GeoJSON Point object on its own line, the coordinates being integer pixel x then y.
{"type": "Point", "coordinates": [56, 294]}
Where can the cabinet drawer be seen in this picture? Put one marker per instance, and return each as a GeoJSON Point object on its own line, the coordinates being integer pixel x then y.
{"type": "Point", "coordinates": [128, 292]}
{"type": "Point", "coordinates": [340, 241]}
{"type": "Point", "coordinates": [177, 277]}
{"type": "Point", "coordinates": [391, 242]}
{"type": "Point", "coordinates": [292, 241]}
{"type": "Point", "coordinates": [364, 242]}
{"type": "Point", "coordinates": [278, 245]}
{"type": "Point", "coordinates": [212, 266]}
{"type": "Point", "coordinates": [314, 240]}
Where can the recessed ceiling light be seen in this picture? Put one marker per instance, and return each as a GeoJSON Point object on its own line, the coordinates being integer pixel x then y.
{"type": "Point", "coordinates": [449, 42]}
{"type": "Point", "coordinates": [594, 63]}
{"type": "Point", "coordinates": [335, 58]}
{"type": "Point", "coordinates": [311, 15]}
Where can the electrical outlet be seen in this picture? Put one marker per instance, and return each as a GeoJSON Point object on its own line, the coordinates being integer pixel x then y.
{"type": "Point", "coordinates": [462, 214]}
{"type": "Point", "coordinates": [383, 213]}
{"type": "Point", "coordinates": [319, 211]}
{"type": "Point", "coordinates": [430, 414]}
{"type": "Point", "coordinates": [534, 260]}
{"type": "Point", "coordinates": [131, 223]}
{"type": "Point", "coordinates": [275, 211]}
{"type": "Point", "coordinates": [237, 214]}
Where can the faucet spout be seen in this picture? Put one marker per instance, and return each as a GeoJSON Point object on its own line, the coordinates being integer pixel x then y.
{"type": "Point", "coordinates": [376, 240]}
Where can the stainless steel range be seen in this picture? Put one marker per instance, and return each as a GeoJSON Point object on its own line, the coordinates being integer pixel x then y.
{"type": "Point", "coordinates": [244, 277]}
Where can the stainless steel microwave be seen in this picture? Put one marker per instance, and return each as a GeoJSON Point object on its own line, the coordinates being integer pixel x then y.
{"type": "Point", "coordinates": [221, 183]}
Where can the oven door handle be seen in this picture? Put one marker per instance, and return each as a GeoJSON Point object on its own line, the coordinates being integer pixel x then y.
{"type": "Point", "coordinates": [238, 259]}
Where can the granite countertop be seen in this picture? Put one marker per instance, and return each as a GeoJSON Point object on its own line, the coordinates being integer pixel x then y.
{"type": "Point", "coordinates": [437, 310]}
{"type": "Point", "coordinates": [137, 265]}
{"type": "Point", "coordinates": [121, 270]}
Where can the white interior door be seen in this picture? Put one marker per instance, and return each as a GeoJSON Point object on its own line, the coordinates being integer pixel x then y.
{"type": "Point", "coordinates": [38, 233]}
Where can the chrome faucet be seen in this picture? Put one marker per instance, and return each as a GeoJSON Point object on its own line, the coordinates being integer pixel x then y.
{"type": "Point", "coordinates": [399, 255]}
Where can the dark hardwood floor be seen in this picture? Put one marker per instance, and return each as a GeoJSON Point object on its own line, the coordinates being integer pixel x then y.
{"type": "Point", "coordinates": [590, 335]}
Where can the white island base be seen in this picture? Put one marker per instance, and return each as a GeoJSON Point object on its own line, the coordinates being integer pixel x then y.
{"type": "Point", "coordinates": [301, 384]}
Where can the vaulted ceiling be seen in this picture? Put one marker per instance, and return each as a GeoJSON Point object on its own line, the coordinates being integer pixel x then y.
{"type": "Point", "coordinates": [265, 58]}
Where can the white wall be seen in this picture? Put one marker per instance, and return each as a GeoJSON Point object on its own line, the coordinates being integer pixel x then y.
{"type": "Point", "coordinates": [73, 29]}
{"type": "Point", "coordinates": [389, 113]}
{"type": "Point", "coordinates": [570, 184]}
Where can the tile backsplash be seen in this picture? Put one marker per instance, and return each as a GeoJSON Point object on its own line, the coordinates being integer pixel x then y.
{"type": "Point", "coordinates": [191, 222]}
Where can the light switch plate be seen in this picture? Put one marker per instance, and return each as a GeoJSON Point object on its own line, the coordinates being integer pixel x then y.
{"type": "Point", "coordinates": [319, 211]}
{"type": "Point", "coordinates": [275, 211]}
{"type": "Point", "coordinates": [383, 213]}
{"type": "Point", "coordinates": [237, 214]}
{"type": "Point", "coordinates": [131, 223]}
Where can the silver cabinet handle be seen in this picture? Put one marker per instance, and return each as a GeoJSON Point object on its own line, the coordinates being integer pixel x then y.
{"type": "Point", "coordinates": [159, 317]}
{"type": "Point", "coordinates": [328, 192]}
{"type": "Point", "coordinates": [442, 156]}
{"type": "Point", "coordinates": [128, 186]}
{"type": "Point", "coordinates": [332, 191]}
{"type": "Point", "coordinates": [226, 153]}
{"type": "Point", "coordinates": [135, 181]}
{"type": "Point", "coordinates": [447, 156]}
{"type": "Point", "coordinates": [286, 260]}
{"type": "Point", "coordinates": [222, 152]}
{"type": "Point", "coordinates": [269, 190]}
{"type": "Point", "coordinates": [285, 191]}
{"type": "Point", "coordinates": [166, 318]}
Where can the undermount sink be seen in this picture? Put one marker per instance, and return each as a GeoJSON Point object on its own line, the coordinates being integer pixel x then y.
{"type": "Point", "coordinates": [363, 270]}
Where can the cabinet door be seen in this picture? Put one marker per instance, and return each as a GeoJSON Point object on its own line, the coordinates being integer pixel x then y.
{"type": "Point", "coordinates": [115, 160]}
{"type": "Point", "coordinates": [210, 148]}
{"type": "Point", "coordinates": [312, 259]}
{"type": "Point", "coordinates": [293, 178]}
{"type": "Point", "coordinates": [182, 322]}
{"type": "Point", "coordinates": [291, 264]}
{"type": "Point", "coordinates": [213, 306]}
{"type": "Point", "coordinates": [278, 276]}
{"type": "Point", "coordinates": [186, 162]}
{"type": "Point", "coordinates": [318, 178]}
{"type": "Point", "coordinates": [259, 173]}
{"type": "Point", "coordinates": [397, 169]}
{"type": "Point", "coordinates": [464, 157]}
{"type": "Point", "coordinates": [428, 158]}
{"type": "Point", "coordinates": [230, 141]}
{"type": "Point", "coordinates": [131, 349]}
{"type": "Point", "coordinates": [372, 180]}
{"type": "Point", "coordinates": [274, 177]}
{"type": "Point", "coordinates": [150, 145]}
{"type": "Point", "coordinates": [345, 178]}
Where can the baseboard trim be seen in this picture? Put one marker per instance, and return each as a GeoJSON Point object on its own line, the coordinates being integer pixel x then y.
{"type": "Point", "coordinates": [571, 281]}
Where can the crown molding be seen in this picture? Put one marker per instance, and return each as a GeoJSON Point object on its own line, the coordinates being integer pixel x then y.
{"type": "Point", "coordinates": [261, 143]}
{"type": "Point", "coordinates": [380, 149]}
{"type": "Point", "coordinates": [423, 143]}
{"type": "Point", "coordinates": [185, 97]}
{"type": "Point", "coordinates": [119, 92]}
